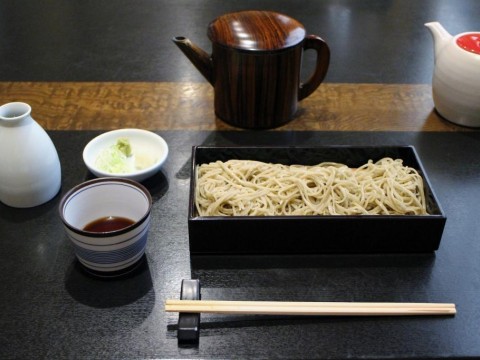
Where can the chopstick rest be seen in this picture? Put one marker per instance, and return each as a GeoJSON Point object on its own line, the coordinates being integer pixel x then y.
{"type": "Point", "coordinates": [189, 323]}
{"type": "Point", "coordinates": [309, 308]}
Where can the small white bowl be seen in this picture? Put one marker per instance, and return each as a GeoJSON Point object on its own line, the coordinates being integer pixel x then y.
{"type": "Point", "coordinates": [142, 142]}
{"type": "Point", "coordinates": [107, 250]}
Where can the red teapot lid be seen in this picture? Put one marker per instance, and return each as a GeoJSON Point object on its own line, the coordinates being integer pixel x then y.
{"type": "Point", "coordinates": [470, 42]}
{"type": "Point", "coordinates": [256, 30]}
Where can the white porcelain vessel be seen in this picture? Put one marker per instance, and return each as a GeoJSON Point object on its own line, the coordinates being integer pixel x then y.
{"type": "Point", "coordinates": [30, 172]}
{"type": "Point", "coordinates": [456, 77]}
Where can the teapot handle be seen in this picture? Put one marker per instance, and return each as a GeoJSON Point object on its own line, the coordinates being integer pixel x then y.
{"type": "Point", "coordinates": [323, 60]}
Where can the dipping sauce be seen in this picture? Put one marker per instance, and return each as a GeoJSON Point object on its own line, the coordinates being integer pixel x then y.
{"type": "Point", "coordinates": [108, 223]}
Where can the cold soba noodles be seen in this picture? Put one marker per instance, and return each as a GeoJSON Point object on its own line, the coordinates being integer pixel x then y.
{"type": "Point", "coordinates": [253, 188]}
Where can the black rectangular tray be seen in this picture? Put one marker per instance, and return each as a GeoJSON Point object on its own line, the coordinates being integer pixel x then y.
{"type": "Point", "coordinates": [321, 234]}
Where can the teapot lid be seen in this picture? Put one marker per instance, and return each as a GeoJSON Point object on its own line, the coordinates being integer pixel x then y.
{"type": "Point", "coordinates": [470, 42]}
{"type": "Point", "coordinates": [256, 30]}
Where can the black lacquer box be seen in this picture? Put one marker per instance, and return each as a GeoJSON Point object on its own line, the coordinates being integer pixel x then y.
{"type": "Point", "coordinates": [322, 234]}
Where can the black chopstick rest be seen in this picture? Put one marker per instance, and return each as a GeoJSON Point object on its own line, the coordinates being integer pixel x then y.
{"type": "Point", "coordinates": [189, 323]}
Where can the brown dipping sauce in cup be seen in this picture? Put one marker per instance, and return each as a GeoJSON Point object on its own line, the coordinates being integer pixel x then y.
{"type": "Point", "coordinates": [108, 223]}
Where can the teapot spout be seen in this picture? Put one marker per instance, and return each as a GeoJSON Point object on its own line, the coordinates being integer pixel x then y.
{"type": "Point", "coordinates": [199, 58]}
{"type": "Point", "coordinates": [441, 37]}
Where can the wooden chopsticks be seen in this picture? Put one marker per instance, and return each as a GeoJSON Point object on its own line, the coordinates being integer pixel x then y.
{"type": "Point", "coordinates": [308, 308]}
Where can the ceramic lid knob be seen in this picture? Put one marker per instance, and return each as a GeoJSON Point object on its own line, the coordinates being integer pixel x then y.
{"type": "Point", "coordinates": [256, 31]}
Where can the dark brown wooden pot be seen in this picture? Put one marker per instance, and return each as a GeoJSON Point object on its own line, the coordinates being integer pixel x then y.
{"type": "Point", "coordinates": [255, 67]}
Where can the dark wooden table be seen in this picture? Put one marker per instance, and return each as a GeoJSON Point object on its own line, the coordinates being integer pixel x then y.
{"type": "Point", "coordinates": [90, 66]}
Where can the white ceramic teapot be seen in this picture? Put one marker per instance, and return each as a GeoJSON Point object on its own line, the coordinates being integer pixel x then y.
{"type": "Point", "coordinates": [456, 77]}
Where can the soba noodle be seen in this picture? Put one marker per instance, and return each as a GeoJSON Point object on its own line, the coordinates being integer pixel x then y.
{"type": "Point", "coordinates": [253, 188]}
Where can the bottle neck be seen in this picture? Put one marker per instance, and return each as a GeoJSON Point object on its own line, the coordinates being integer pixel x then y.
{"type": "Point", "coordinates": [14, 113]}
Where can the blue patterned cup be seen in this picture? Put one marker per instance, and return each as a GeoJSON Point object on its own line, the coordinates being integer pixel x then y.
{"type": "Point", "coordinates": [107, 221]}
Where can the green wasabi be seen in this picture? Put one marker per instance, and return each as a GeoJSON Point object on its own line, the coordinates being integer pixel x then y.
{"type": "Point", "coordinates": [123, 145]}
{"type": "Point", "coordinates": [116, 159]}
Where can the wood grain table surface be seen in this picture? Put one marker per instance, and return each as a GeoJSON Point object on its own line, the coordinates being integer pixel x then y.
{"type": "Point", "coordinates": [189, 106]}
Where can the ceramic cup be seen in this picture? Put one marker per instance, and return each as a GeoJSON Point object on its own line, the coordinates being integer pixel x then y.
{"type": "Point", "coordinates": [91, 212]}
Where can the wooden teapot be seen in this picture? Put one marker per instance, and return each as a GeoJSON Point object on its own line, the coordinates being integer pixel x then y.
{"type": "Point", "coordinates": [255, 66]}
